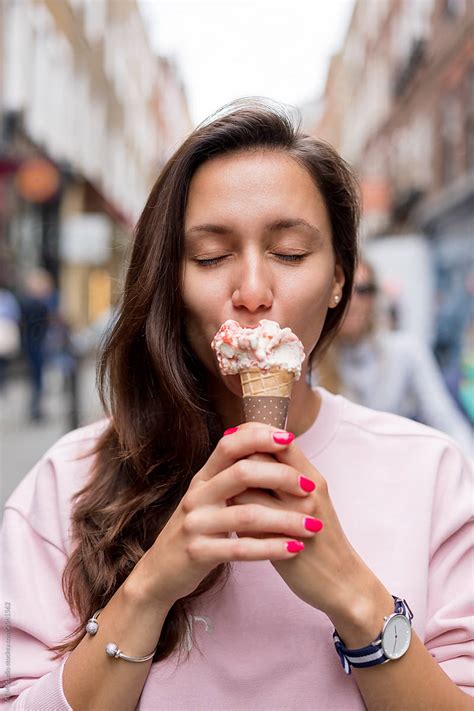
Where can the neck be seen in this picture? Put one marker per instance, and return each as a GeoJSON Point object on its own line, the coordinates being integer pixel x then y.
{"type": "Point", "coordinates": [304, 408]}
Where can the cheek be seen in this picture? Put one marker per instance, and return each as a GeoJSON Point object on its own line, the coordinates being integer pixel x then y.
{"type": "Point", "coordinates": [201, 292]}
{"type": "Point", "coordinates": [199, 318]}
{"type": "Point", "coordinates": [308, 303]}
{"type": "Point", "coordinates": [197, 337]}
{"type": "Point", "coordinates": [311, 296]}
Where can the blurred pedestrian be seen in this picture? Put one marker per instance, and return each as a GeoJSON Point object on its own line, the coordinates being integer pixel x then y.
{"type": "Point", "coordinates": [388, 370]}
{"type": "Point", "coordinates": [10, 342]}
{"type": "Point", "coordinates": [35, 300]}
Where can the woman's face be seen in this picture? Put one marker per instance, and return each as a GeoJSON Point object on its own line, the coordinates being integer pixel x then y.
{"type": "Point", "coordinates": [258, 244]}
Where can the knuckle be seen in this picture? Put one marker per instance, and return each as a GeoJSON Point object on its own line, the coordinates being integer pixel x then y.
{"type": "Point", "coordinates": [226, 446]}
{"type": "Point", "coordinates": [246, 515]}
{"type": "Point", "coordinates": [194, 549]}
{"type": "Point", "coordinates": [189, 525]}
{"type": "Point", "coordinates": [307, 506]}
{"type": "Point", "coordinates": [187, 503]}
{"type": "Point", "coordinates": [238, 550]}
{"type": "Point", "coordinates": [195, 480]}
{"type": "Point", "coordinates": [241, 472]}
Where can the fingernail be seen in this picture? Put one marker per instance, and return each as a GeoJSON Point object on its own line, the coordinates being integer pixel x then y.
{"type": "Point", "coordinates": [294, 546]}
{"type": "Point", "coordinates": [307, 484]}
{"type": "Point", "coordinates": [231, 430]}
{"type": "Point", "coordinates": [313, 524]}
{"type": "Point", "coordinates": [283, 437]}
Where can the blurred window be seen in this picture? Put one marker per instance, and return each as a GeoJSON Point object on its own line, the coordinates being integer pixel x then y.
{"type": "Point", "coordinates": [99, 294]}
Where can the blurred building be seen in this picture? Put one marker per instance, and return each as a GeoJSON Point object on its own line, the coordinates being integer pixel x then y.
{"type": "Point", "coordinates": [399, 105]}
{"type": "Point", "coordinates": [171, 107]}
{"type": "Point", "coordinates": [88, 114]}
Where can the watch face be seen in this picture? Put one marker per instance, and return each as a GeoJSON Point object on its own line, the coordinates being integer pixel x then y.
{"type": "Point", "coordinates": [396, 637]}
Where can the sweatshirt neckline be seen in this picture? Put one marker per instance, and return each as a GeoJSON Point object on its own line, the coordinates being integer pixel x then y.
{"type": "Point", "coordinates": [319, 435]}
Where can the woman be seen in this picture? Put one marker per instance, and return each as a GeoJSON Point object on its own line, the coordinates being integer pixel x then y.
{"type": "Point", "coordinates": [388, 370]}
{"type": "Point", "coordinates": [223, 555]}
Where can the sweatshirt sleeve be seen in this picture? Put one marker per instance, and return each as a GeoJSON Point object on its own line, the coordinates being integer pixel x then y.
{"type": "Point", "coordinates": [450, 620]}
{"type": "Point", "coordinates": [35, 613]}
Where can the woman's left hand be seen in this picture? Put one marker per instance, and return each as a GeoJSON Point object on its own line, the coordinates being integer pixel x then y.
{"type": "Point", "coordinates": [328, 574]}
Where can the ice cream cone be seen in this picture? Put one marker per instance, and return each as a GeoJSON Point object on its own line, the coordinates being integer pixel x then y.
{"type": "Point", "coordinates": [266, 395]}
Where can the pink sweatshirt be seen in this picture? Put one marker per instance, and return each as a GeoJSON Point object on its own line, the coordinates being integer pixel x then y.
{"type": "Point", "coordinates": [404, 496]}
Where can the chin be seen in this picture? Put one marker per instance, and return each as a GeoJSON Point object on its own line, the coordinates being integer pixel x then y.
{"type": "Point", "coordinates": [230, 382]}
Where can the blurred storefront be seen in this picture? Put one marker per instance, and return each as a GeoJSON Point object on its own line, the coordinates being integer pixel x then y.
{"type": "Point", "coordinates": [82, 139]}
{"type": "Point", "coordinates": [399, 106]}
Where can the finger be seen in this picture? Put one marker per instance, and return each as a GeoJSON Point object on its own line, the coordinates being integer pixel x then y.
{"type": "Point", "coordinates": [247, 439]}
{"type": "Point", "coordinates": [307, 505]}
{"type": "Point", "coordinates": [251, 517]}
{"type": "Point", "coordinates": [221, 550]}
{"type": "Point", "coordinates": [294, 457]}
{"type": "Point", "coordinates": [256, 496]}
{"type": "Point", "coordinates": [246, 474]}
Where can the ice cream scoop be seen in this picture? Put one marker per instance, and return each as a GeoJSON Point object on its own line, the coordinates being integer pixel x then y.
{"type": "Point", "coordinates": [268, 360]}
{"type": "Point", "coordinates": [264, 347]}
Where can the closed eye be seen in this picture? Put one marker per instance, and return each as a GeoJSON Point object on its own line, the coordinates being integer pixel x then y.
{"type": "Point", "coordinates": [209, 262]}
{"type": "Point", "coordinates": [291, 257]}
{"type": "Point", "coordinates": [212, 261]}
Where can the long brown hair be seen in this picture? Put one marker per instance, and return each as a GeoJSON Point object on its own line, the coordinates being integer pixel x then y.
{"type": "Point", "coordinates": [162, 425]}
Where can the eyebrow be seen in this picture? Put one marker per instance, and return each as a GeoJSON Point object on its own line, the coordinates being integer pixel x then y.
{"type": "Point", "coordinates": [275, 226]}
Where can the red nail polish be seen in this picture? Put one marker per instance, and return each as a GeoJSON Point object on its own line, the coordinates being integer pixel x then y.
{"type": "Point", "coordinates": [294, 546]}
{"type": "Point", "coordinates": [231, 430]}
{"type": "Point", "coordinates": [313, 524]}
{"type": "Point", "coordinates": [307, 484]}
{"type": "Point", "coordinates": [283, 437]}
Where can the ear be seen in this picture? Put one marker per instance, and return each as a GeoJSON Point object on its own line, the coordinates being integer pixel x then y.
{"type": "Point", "coordinates": [338, 283]}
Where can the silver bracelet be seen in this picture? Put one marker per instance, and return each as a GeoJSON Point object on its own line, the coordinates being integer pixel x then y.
{"type": "Point", "coordinates": [111, 648]}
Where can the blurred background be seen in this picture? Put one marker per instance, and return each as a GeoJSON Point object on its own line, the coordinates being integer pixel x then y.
{"type": "Point", "coordinates": [96, 94]}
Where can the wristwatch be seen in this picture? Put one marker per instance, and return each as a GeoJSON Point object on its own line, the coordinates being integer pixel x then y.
{"type": "Point", "coordinates": [392, 643]}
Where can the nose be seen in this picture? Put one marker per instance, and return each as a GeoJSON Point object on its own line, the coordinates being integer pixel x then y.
{"type": "Point", "coordinates": [253, 286]}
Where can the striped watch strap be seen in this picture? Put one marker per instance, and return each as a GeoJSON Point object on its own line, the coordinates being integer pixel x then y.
{"type": "Point", "coordinates": [373, 654]}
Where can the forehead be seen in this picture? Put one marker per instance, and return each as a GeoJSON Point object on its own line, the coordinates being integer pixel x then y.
{"type": "Point", "coordinates": [251, 184]}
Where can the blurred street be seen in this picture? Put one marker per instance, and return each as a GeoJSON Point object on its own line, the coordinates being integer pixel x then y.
{"type": "Point", "coordinates": [22, 443]}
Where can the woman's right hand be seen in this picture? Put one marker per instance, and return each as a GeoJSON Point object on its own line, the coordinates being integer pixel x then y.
{"type": "Point", "coordinates": [197, 539]}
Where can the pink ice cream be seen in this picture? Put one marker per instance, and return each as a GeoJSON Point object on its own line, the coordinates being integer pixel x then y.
{"type": "Point", "coordinates": [266, 347]}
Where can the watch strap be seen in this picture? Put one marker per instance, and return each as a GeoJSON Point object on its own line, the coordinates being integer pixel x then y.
{"type": "Point", "coordinates": [368, 656]}
{"type": "Point", "coordinates": [373, 654]}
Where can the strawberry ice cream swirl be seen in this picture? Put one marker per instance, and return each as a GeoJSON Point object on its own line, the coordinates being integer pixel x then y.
{"type": "Point", "coordinates": [265, 347]}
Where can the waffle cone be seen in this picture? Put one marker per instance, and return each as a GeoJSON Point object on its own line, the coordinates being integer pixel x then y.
{"type": "Point", "coordinates": [266, 395]}
{"type": "Point", "coordinates": [258, 383]}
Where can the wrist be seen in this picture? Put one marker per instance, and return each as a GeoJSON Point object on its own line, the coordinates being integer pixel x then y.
{"type": "Point", "coordinates": [360, 621]}
{"type": "Point", "coordinates": [136, 593]}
